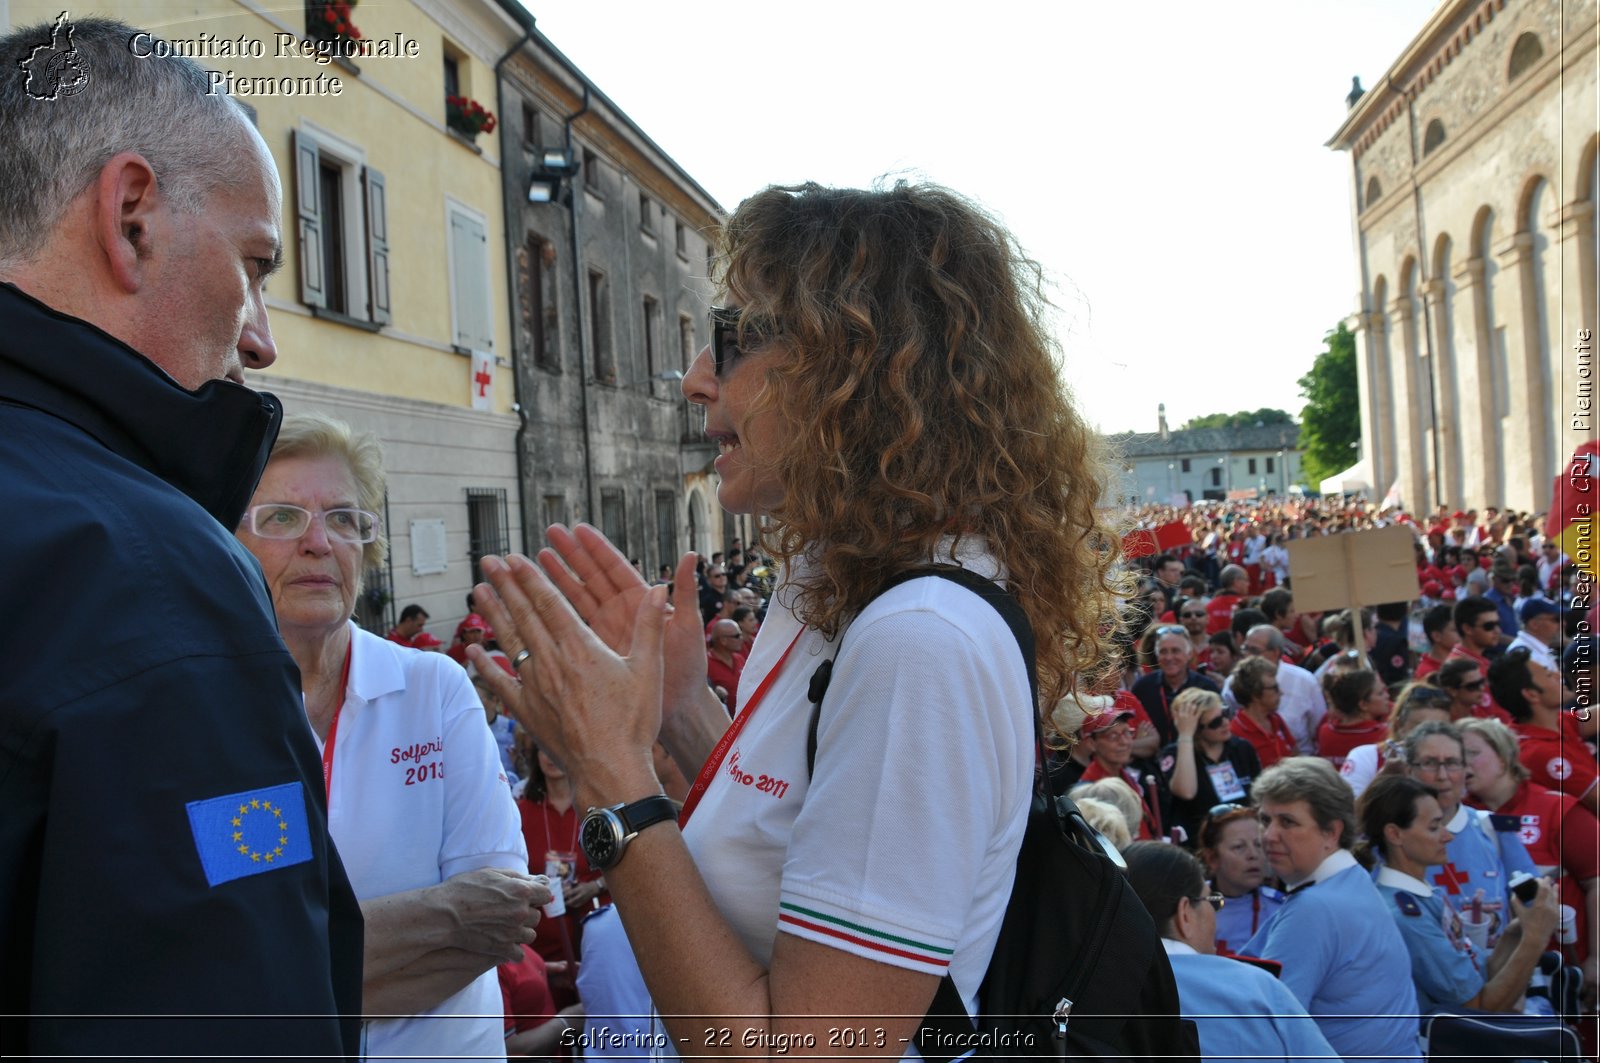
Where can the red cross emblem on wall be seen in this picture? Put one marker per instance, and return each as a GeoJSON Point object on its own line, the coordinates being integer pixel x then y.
{"type": "Point", "coordinates": [483, 380]}
{"type": "Point", "coordinates": [1450, 878]}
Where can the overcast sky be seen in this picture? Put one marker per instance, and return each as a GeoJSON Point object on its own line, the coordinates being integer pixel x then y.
{"type": "Point", "coordinates": [1163, 160]}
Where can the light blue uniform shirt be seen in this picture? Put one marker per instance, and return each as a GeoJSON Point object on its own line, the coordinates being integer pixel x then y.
{"type": "Point", "coordinates": [1477, 862]}
{"type": "Point", "coordinates": [1242, 1012]}
{"type": "Point", "coordinates": [1345, 962]}
{"type": "Point", "coordinates": [1441, 968]}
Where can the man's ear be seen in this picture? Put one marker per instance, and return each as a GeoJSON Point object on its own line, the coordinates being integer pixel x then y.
{"type": "Point", "coordinates": [126, 202]}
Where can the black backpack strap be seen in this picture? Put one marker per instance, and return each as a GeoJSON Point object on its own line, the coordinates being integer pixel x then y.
{"type": "Point", "coordinates": [947, 1020]}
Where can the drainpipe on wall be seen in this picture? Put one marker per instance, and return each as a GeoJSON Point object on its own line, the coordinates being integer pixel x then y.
{"type": "Point", "coordinates": [578, 296]}
{"type": "Point", "coordinates": [506, 146]}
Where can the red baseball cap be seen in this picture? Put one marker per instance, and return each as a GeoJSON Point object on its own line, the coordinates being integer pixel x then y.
{"type": "Point", "coordinates": [474, 621]}
{"type": "Point", "coordinates": [424, 641]}
{"type": "Point", "coordinates": [1100, 721]}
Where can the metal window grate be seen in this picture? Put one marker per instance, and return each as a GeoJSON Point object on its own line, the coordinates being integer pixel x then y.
{"type": "Point", "coordinates": [488, 526]}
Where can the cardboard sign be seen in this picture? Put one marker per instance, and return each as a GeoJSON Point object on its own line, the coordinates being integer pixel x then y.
{"type": "Point", "coordinates": [1354, 568]}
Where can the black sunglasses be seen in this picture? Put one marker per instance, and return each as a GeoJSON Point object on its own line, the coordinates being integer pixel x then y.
{"type": "Point", "coordinates": [725, 336]}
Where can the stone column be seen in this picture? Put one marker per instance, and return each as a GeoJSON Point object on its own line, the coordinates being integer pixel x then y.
{"type": "Point", "coordinates": [1367, 386]}
{"type": "Point", "coordinates": [1409, 403]}
{"type": "Point", "coordinates": [1478, 428]}
{"type": "Point", "coordinates": [1446, 421]}
{"type": "Point", "coordinates": [1527, 477]}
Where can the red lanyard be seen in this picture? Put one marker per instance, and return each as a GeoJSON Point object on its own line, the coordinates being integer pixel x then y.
{"type": "Point", "coordinates": [333, 730]}
{"type": "Point", "coordinates": [709, 770]}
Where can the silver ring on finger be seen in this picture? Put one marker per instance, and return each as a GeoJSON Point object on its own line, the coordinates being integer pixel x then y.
{"type": "Point", "coordinates": [516, 662]}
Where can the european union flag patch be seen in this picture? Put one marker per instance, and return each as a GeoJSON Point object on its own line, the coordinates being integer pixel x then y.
{"type": "Point", "coordinates": [251, 832]}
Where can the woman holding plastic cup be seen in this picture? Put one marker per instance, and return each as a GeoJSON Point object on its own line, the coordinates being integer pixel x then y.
{"type": "Point", "coordinates": [1405, 826]}
{"type": "Point", "coordinates": [1561, 835]}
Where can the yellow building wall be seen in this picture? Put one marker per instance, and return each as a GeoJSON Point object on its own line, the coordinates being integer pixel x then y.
{"type": "Point", "coordinates": [394, 110]}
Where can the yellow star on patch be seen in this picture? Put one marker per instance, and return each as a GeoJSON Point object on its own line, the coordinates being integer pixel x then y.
{"type": "Point", "coordinates": [243, 809]}
{"type": "Point", "coordinates": [256, 857]}
{"type": "Point", "coordinates": [244, 848]}
{"type": "Point", "coordinates": [255, 802]}
{"type": "Point", "coordinates": [268, 806]}
{"type": "Point", "coordinates": [237, 820]}
{"type": "Point", "coordinates": [238, 836]}
{"type": "Point", "coordinates": [282, 840]}
{"type": "Point", "coordinates": [270, 856]}
{"type": "Point", "coordinates": [282, 825]}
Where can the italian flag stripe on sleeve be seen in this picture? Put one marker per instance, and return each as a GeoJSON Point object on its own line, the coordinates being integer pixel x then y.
{"type": "Point", "coordinates": [865, 936]}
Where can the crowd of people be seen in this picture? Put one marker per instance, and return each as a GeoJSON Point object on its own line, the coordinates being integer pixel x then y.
{"type": "Point", "coordinates": [286, 836]}
{"type": "Point", "coordinates": [1411, 760]}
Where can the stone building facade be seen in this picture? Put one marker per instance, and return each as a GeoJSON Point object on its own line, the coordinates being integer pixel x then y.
{"type": "Point", "coordinates": [1474, 182]}
{"type": "Point", "coordinates": [611, 289]}
{"type": "Point", "coordinates": [1183, 466]}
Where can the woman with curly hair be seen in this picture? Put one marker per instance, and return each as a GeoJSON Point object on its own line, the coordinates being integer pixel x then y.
{"type": "Point", "coordinates": [884, 392]}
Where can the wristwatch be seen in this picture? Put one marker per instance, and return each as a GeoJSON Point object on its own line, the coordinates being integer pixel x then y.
{"type": "Point", "coordinates": [607, 831]}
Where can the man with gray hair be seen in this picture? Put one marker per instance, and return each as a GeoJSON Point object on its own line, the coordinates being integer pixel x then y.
{"type": "Point", "coordinates": [1303, 705]}
{"type": "Point", "coordinates": [164, 803]}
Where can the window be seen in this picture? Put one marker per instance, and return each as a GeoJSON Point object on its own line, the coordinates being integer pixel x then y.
{"type": "Point", "coordinates": [452, 76]}
{"type": "Point", "coordinates": [1374, 191]}
{"type": "Point", "coordinates": [647, 221]}
{"type": "Point", "coordinates": [536, 289]}
{"type": "Point", "coordinates": [1526, 52]}
{"type": "Point", "coordinates": [1433, 136]}
{"type": "Point", "coordinates": [1216, 477]}
{"type": "Point", "coordinates": [591, 170]}
{"type": "Point", "coordinates": [614, 517]}
{"type": "Point", "coordinates": [555, 509]}
{"type": "Point", "coordinates": [652, 325]}
{"type": "Point", "coordinates": [342, 210]}
{"type": "Point", "coordinates": [682, 241]}
{"type": "Point", "coordinates": [488, 530]}
{"type": "Point", "coordinates": [686, 340]}
{"type": "Point", "coordinates": [470, 311]}
{"type": "Point", "coordinates": [1251, 466]}
{"type": "Point", "coordinates": [1271, 466]}
{"type": "Point", "coordinates": [531, 134]}
{"type": "Point", "coordinates": [666, 528]}
{"type": "Point", "coordinates": [1185, 464]}
{"type": "Point", "coordinates": [605, 365]}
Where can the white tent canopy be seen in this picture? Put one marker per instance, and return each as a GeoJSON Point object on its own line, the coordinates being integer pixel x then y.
{"type": "Point", "coordinates": [1354, 480]}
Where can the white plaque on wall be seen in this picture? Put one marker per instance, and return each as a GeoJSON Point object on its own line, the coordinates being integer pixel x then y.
{"type": "Point", "coordinates": [428, 554]}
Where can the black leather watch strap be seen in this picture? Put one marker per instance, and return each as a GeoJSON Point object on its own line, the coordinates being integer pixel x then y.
{"type": "Point", "coordinates": [645, 812]}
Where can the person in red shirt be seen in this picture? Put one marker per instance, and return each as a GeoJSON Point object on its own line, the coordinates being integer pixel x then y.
{"type": "Point", "coordinates": [725, 660]}
{"type": "Point", "coordinates": [1235, 583]}
{"type": "Point", "coordinates": [1478, 623]}
{"type": "Point", "coordinates": [1358, 714]}
{"type": "Point", "coordinates": [1463, 680]}
{"type": "Point", "coordinates": [412, 617]}
{"type": "Point", "coordinates": [1439, 626]}
{"type": "Point", "coordinates": [1551, 748]}
{"type": "Point", "coordinates": [1255, 686]}
{"type": "Point", "coordinates": [1108, 739]}
{"type": "Point", "coordinates": [1560, 834]}
{"type": "Point", "coordinates": [474, 631]}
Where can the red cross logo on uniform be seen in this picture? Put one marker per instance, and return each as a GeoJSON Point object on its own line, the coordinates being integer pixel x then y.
{"type": "Point", "coordinates": [483, 380]}
{"type": "Point", "coordinates": [1450, 878]}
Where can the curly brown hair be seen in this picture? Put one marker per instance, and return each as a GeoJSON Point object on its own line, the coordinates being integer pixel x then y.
{"type": "Point", "coordinates": [925, 402]}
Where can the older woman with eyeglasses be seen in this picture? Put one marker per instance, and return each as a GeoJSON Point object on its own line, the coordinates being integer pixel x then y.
{"type": "Point", "coordinates": [1483, 853]}
{"type": "Point", "coordinates": [417, 803]}
{"type": "Point", "coordinates": [1255, 684]}
{"type": "Point", "coordinates": [1207, 764]}
{"type": "Point", "coordinates": [1240, 1011]}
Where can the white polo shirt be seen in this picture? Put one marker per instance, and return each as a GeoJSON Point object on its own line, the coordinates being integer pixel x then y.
{"type": "Point", "coordinates": [418, 795]}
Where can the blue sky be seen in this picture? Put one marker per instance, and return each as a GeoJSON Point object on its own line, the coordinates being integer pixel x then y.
{"type": "Point", "coordinates": [1167, 168]}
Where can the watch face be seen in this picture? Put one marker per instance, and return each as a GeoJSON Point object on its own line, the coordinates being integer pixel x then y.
{"type": "Point", "coordinates": [600, 841]}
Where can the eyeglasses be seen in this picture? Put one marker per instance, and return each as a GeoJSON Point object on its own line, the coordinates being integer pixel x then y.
{"type": "Point", "coordinates": [1216, 900]}
{"type": "Point", "coordinates": [279, 520]}
{"type": "Point", "coordinates": [1216, 724]}
{"type": "Point", "coordinates": [1117, 734]}
{"type": "Point", "coordinates": [1172, 629]}
{"type": "Point", "coordinates": [1476, 684]}
{"type": "Point", "coordinates": [1192, 616]}
{"type": "Point", "coordinates": [725, 333]}
{"type": "Point", "coordinates": [1252, 651]}
{"type": "Point", "coordinates": [1491, 625]}
{"type": "Point", "coordinates": [1435, 765]}
{"type": "Point", "coordinates": [1274, 686]}
{"type": "Point", "coordinates": [1226, 807]}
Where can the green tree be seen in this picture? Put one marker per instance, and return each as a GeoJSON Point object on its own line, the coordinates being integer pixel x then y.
{"type": "Point", "coordinates": [1331, 420]}
{"type": "Point", "coordinates": [1242, 419]}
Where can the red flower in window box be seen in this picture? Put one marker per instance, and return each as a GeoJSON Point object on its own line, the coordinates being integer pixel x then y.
{"type": "Point", "coordinates": [467, 116]}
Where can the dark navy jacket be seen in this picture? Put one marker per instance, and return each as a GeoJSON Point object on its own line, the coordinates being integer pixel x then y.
{"type": "Point", "coordinates": [142, 676]}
